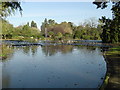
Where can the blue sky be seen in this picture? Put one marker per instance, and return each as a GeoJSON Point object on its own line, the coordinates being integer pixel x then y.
{"type": "Point", "coordinates": [75, 12]}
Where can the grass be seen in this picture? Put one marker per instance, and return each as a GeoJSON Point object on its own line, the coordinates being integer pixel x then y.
{"type": "Point", "coordinates": [114, 51]}
{"type": "Point", "coordinates": [105, 83]}
{"type": "Point", "coordinates": [9, 39]}
{"type": "Point", "coordinates": [112, 57]}
{"type": "Point", "coordinates": [2, 55]}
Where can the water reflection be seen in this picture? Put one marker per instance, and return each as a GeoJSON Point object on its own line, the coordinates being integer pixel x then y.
{"type": "Point", "coordinates": [6, 79]}
{"type": "Point", "coordinates": [52, 50]}
{"type": "Point", "coordinates": [53, 66]}
{"type": "Point", "coordinates": [48, 50]}
{"type": "Point", "coordinates": [27, 49]}
{"type": "Point", "coordinates": [6, 52]}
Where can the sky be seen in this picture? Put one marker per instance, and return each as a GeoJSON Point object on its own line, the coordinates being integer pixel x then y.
{"type": "Point", "coordinates": [75, 12]}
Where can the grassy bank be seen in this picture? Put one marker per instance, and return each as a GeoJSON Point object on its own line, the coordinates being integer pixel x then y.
{"type": "Point", "coordinates": [112, 79]}
{"type": "Point", "coordinates": [9, 39]}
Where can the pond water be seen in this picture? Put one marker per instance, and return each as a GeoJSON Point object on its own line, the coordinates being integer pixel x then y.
{"type": "Point", "coordinates": [53, 66]}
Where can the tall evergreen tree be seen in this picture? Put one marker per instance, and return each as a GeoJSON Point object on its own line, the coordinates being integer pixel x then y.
{"type": "Point", "coordinates": [33, 24]}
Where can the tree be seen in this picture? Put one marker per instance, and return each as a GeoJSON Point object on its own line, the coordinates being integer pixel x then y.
{"type": "Point", "coordinates": [77, 34]}
{"type": "Point", "coordinates": [91, 22]}
{"type": "Point", "coordinates": [44, 26]}
{"type": "Point", "coordinates": [111, 27]}
{"type": "Point", "coordinates": [51, 34]}
{"type": "Point", "coordinates": [9, 7]}
{"type": "Point", "coordinates": [59, 35]}
{"type": "Point", "coordinates": [7, 29]}
{"type": "Point", "coordinates": [33, 24]}
{"type": "Point", "coordinates": [51, 26]}
{"type": "Point", "coordinates": [27, 23]}
{"type": "Point", "coordinates": [51, 22]}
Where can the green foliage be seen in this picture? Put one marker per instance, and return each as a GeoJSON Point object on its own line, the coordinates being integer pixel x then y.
{"type": "Point", "coordinates": [7, 29]}
{"type": "Point", "coordinates": [59, 35]}
{"type": "Point", "coordinates": [21, 32]}
{"type": "Point", "coordinates": [51, 30]}
{"type": "Point", "coordinates": [111, 27]}
{"type": "Point", "coordinates": [67, 36]}
{"type": "Point", "coordinates": [51, 34]}
{"type": "Point", "coordinates": [50, 22]}
{"type": "Point", "coordinates": [77, 34]}
{"type": "Point", "coordinates": [9, 7]}
{"type": "Point", "coordinates": [55, 31]}
{"type": "Point", "coordinates": [89, 30]}
{"type": "Point", "coordinates": [6, 52]}
{"type": "Point", "coordinates": [33, 24]}
{"type": "Point", "coordinates": [114, 51]}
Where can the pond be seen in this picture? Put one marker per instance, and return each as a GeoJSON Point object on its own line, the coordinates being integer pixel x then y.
{"type": "Point", "coordinates": [52, 66]}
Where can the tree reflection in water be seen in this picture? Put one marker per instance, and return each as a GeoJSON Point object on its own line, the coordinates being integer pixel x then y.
{"type": "Point", "coordinates": [22, 64]}
{"type": "Point", "coordinates": [53, 49]}
{"type": "Point", "coordinates": [64, 49]}
{"type": "Point", "coordinates": [6, 52]}
{"type": "Point", "coordinates": [49, 50]}
{"type": "Point", "coordinates": [27, 49]}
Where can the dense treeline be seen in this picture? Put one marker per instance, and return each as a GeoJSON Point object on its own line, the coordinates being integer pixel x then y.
{"type": "Point", "coordinates": [51, 30]}
{"type": "Point", "coordinates": [21, 32]}
{"type": "Point", "coordinates": [109, 33]}
{"type": "Point", "coordinates": [89, 30]}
